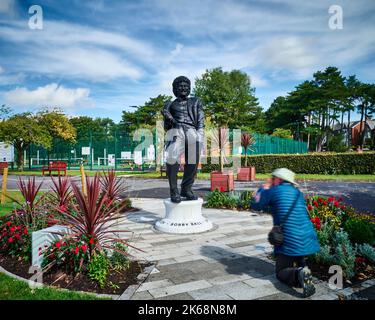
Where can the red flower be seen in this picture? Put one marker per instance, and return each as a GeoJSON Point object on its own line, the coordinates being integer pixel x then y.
{"type": "Point", "coordinates": [222, 189]}
{"type": "Point", "coordinates": [12, 230]}
{"type": "Point", "coordinates": [325, 202]}
{"type": "Point", "coordinates": [331, 199]}
{"type": "Point", "coordinates": [19, 228]}
{"type": "Point", "coordinates": [316, 222]}
{"type": "Point", "coordinates": [64, 244]}
{"type": "Point", "coordinates": [17, 236]}
{"type": "Point", "coordinates": [84, 247]}
{"type": "Point", "coordinates": [320, 200]}
{"type": "Point", "coordinates": [9, 223]}
{"type": "Point", "coordinates": [25, 231]}
{"type": "Point", "coordinates": [310, 207]}
{"type": "Point", "coordinates": [58, 245]}
{"type": "Point", "coordinates": [336, 204]}
{"type": "Point", "coordinates": [316, 204]}
{"type": "Point", "coordinates": [360, 260]}
{"type": "Point", "coordinates": [76, 251]}
{"type": "Point", "coordinates": [10, 240]}
{"type": "Point", "coordinates": [92, 241]}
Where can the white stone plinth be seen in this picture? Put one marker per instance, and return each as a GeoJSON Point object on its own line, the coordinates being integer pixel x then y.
{"type": "Point", "coordinates": [183, 217]}
{"type": "Point", "coordinates": [44, 237]}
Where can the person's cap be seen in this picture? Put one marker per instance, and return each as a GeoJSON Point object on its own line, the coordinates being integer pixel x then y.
{"type": "Point", "coordinates": [285, 174]}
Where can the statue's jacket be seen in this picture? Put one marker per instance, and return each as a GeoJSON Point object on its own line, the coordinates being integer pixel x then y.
{"type": "Point", "coordinates": [194, 110]}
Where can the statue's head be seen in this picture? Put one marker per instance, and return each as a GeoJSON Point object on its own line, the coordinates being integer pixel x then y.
{"type": "Point", "coordinates": [181, 87]}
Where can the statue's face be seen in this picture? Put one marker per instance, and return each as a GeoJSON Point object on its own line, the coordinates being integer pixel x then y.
{"type": "Point", "coordinates": [182, 90]}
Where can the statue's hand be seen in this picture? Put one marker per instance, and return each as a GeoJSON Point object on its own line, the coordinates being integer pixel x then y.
{"type": "Point", "coordinates": [172, 120]}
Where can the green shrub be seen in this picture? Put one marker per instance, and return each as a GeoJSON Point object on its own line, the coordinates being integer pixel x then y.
{"type": "Point", "coordinates": [366, 251]}
{"type": "Point", "coordinates": [244, 201]}
{"type": "Point", "coordinates": [98, 268]}
{"type": "Point", "coordinates": [217, 199]}
{"type": "Point", "coordinates": [359, 231]}
{"type": "Point", "coordinates": [336, 143]}
{"type": "Point", "coordinates": [344, 253]}
{"type": "Point", "coordinates": [312, 163]}
{"type": "Point", "coordinates": [326, 233]}
{"type": "Point", "coordinates": [324, 256]}
{"type": "Point", "coordinates": [119, 261]}
{"type": "Point", "coordinates": [229, 200]}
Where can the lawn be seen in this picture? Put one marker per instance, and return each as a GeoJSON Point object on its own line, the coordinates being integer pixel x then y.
{"type": "Point", "coordinates": [12, 289]}
{"type": "Point", "coordinates": [9, 204]}
{"type": "Point", "coordinates": [206, 176]}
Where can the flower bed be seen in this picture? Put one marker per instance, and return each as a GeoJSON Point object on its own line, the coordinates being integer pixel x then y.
{"type": "Point", "coordinates": [346, 237]}
{"type": "Point", "coordinates": [93, 256]}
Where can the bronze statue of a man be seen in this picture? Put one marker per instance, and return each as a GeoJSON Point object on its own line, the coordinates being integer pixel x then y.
{"type": "Point", "coordinates": [184, 122]}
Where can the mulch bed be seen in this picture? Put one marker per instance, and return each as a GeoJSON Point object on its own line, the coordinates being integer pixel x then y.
{"type": "Point", "coordinates": [81, 282]}
{"type": "Point", "coordinates": [361, 274]}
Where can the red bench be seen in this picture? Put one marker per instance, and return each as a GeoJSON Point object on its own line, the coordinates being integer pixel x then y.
{"type": "Point", "coordinates": [3, 165]}
{"type": "Point", "coordinates": [55, 166]}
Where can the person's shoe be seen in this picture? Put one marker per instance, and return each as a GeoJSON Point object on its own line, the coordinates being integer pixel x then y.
{"type": "Point", "coordinates": [175, 197]}
{"type": "Point", "coordinates": [305, 280]}
{"type": "Point", "coordinates": [189, 195]}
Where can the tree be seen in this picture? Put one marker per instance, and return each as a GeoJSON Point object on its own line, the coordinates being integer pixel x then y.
{"type": "Point", "coordinates": [99, 129]}
{"type": "Point", "coordinates": [4, 112]}
{"type": "Point", "coordinates": [21, 130]}
{"type": "Point", "coordinates": [229, 101]}
{"type": "Point", "coordinates": [144, 116]}
{"type": "Point", "coordinates": [57, 124]}
{"type": "Point", "coordinates": [282, 133]}
{"type": "Point", "coordinates": [366, 97]}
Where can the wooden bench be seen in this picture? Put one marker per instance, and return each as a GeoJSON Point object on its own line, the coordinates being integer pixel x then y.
{"type": "Point", "coordinates": [55, 166]}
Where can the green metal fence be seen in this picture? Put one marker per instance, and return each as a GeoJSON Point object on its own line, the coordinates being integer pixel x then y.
{"type": "Point", "coordinates": [117, 150]}
{"type": "Point", "coordinates": [265, 144]}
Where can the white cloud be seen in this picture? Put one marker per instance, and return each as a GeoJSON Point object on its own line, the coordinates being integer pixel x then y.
{"type": "Point", "coordinates": [1, 70]}
{"type": "Point", "coordinates": [93, 64]}
{"type": "Point", "coordinates": [49, 95]}
{"type": "Point", "coordinates": [66, 49]}
{"type": "Point", "coordinates": [290, 53]}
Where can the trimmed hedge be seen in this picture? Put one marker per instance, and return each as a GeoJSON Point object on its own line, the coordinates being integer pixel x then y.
{"type": "Point", "coordinates": [313, 163]}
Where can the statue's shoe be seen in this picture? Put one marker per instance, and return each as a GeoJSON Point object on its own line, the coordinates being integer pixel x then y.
{"type": "Point", "coordinates": [175, 198]}
{"type": "Point", "coordinates": [189, 195]}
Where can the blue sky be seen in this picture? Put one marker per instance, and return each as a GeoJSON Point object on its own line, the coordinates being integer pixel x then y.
{"type": "Point", "coordinates": [99, 57]}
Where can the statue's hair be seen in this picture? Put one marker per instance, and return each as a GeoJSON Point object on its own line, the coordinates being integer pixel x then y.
{"type": "Point", "coordinates": [177, 81]}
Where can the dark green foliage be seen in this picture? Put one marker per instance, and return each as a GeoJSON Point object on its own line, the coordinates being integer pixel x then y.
{"type": "Point", "coordinates": [217, 199]}
{"type": "Point", "coordinates": [315, 163]}
{"type": "Point", "coordinates": [98, 268]}
{"type": "Point", "coordinates": [336, 143]}
{"type": "Point", "coordinates": [244, 201]}
{"type": "Point", "coordinates": [359, 231]}
{"type": "Point", "coordinates": [229, 200]}
{"type": "Point", "coordinates": [119, 261]}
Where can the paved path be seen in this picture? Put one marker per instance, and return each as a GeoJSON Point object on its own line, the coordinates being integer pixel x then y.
{"type": "Point", "coordinates": [361, 195]}
{"type": "Point", "coordinates": [230, 262]}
